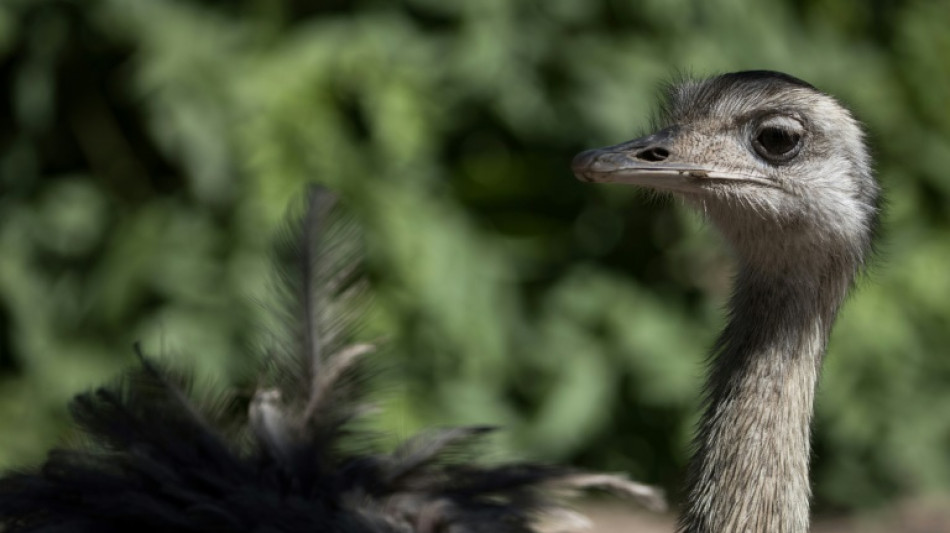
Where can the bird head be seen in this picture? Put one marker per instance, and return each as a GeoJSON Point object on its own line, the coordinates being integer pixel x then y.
{"type": "Point", "coordinates": [778, 166]}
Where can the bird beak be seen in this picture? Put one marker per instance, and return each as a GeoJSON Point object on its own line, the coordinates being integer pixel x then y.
{"type": "Point", "coordinates": [648, 161]}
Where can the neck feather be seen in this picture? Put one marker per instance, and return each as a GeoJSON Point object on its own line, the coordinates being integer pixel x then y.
{"type": "Point", "coordinates": [750, 469]}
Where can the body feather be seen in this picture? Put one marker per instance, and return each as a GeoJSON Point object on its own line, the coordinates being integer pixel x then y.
{"type": "Point", "coordinates": [157, 461]}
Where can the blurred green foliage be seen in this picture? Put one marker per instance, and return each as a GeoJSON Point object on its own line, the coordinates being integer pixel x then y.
{"type": "Point", "coordinates": [150, 149]}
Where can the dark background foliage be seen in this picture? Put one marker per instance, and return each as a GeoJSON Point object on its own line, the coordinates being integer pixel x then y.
{"type": "Point", "coordinates": [150, 149]}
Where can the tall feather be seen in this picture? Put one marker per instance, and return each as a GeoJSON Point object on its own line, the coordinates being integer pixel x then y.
{"type": "Point", "coordinates": [314, 390]}
{"type": "Point", "coordinates": [157, 461]}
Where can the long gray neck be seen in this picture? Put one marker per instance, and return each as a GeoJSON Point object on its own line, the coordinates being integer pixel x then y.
{"type": "Point", "coordinates": [750, 469]}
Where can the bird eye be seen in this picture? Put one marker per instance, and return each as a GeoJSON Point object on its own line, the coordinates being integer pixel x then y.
{"type": "Point", "coordinates": [777, 143]}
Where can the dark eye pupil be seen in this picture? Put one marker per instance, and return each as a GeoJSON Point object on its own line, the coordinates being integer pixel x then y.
{"type": "Point", "coordinates": [778, 141]}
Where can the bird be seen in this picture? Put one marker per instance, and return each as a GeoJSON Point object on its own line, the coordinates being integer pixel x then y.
{"type": "Point", "coordinates": [783, 172]}
{"type": "Point", "coordinates": [158, 457]}
{"type": "Point", "coordinates": [779, 167]}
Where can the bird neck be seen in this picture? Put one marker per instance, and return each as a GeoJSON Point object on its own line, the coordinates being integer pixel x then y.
{"type": "Point", "coordinates": [750, 468]}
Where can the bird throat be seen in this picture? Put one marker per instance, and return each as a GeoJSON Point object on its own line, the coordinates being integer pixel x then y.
{"type": "Point", "coordinates": [750, 468]}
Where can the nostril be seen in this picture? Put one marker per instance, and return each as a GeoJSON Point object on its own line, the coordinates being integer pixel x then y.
{"type": "Point", "coordinates": [654, 154]}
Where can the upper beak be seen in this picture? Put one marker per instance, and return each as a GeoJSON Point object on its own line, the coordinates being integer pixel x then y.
{"type": "Point", "coordinates": [644, 161]}
{"type": "Point", "coordinates": [650, 161]}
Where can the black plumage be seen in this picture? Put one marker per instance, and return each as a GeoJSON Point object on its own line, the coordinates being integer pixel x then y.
{"type": "Point", "coordinates": [156, 460]}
